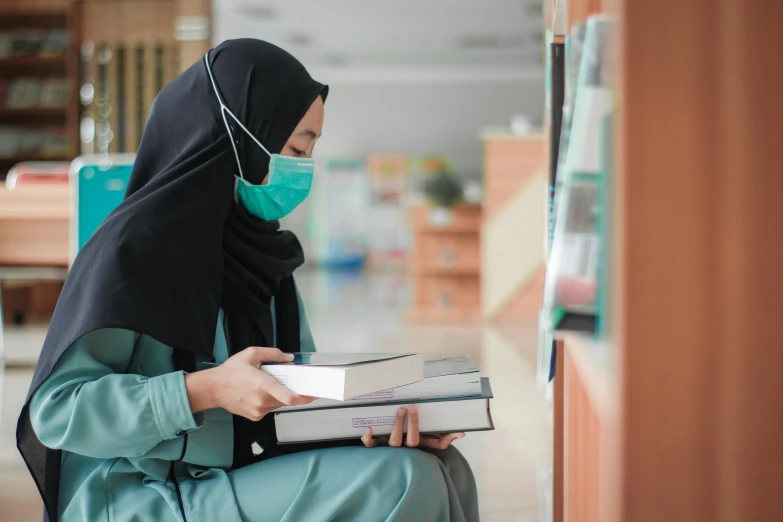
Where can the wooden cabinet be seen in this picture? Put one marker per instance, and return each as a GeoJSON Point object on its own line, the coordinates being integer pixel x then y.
{"type": "Point", "coordinates": [448, 293]}
{"type": "Point", "coordinates": [34, 221]}
{"type": "Point", "coordinates": [509, 162]}
{"type": "Point", "coordinates": [512, 239]}
{"type": "Point", "coordinates": [33, 232]}
{"type": "Point", "coordinates": [448, 253]}
{"type": "Point", "coordinates": [446, 264]}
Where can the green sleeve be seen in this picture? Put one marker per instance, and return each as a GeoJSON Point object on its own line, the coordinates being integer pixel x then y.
{"type": "Point", "coordinates": [305, 335]}
{"type": "Point", "coordinates": [90, 407]}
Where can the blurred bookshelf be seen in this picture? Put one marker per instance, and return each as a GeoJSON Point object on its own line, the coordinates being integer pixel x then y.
{"type": "Point", "coordinates": [38, 86]}
{"type": "Point", "coordinates": [581, 106]}
{"type": "Point", "coordinates": [661, 412]}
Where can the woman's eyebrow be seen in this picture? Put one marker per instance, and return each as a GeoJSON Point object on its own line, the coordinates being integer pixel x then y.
{"type": "Point", "coordinates": [310, 133]}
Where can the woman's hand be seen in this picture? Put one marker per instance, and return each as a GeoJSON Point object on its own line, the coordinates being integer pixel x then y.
{"type": "Point", "coordinates": [412, 439]}
{"type": "Point", "coordinates": [239, 386]}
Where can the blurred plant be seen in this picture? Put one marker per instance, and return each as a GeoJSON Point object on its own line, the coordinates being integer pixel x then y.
{"type": "Point", "coordinates": [443, 188]}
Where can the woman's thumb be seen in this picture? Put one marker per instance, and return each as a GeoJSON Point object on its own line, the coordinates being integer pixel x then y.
{"type": "Point", "coordinates": [258, 355]}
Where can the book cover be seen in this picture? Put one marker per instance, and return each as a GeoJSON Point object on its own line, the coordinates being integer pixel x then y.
{"type": "Point", "coordinates": [23, 93]}
{"type": "Point", "coordinates": [448, 366]}
{"type": "Point", "coordinates": [341, 423]}
{"type": "Point", "coordinates": [55, 93]}
{"type": "Point", "coordinates": [6, 44]}
{"type": "Point", "coordinates": [9, 141]}
{"type": "Point", "coordinates": [450, 376]}
{"type": "Point", "coordinates": [57, 144]}
{"type": "Point", "coordinates": [55, 43]}
{"type": "Point", "coordinates": [486, 393]}
{"type": "Point", "coordinates": [31, 141]}
{"type": "Point", "coordinates": [338, 359]}
{"type": "Point", "coordinates": [26, 41]}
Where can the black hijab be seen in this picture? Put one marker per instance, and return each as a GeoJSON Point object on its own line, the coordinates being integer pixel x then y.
{"type": "Point", "coordinates": [178, 247]}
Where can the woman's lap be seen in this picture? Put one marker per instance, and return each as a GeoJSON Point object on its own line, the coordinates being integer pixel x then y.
{"type": "Point", "coordinates": [354, 483]}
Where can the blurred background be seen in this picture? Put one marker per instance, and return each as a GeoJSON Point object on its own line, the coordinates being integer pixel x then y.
{"type": "Point", "coordinates": [581, 195]}
{"type": "Point", "coordinates": [426, 99]}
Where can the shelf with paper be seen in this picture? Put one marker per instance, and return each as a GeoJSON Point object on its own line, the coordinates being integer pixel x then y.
{"type": "Point", "coordinates": [576, 279]}
{"type": "Point", "coordinates": [38, 66]}
{"type": "Point", "coordinates": [572, 294]}
{"type": "Point", "coordinates": [695, 286]}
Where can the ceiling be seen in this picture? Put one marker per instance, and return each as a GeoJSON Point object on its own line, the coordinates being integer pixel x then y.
{"type": "Point", "coordinates": [476, 37]}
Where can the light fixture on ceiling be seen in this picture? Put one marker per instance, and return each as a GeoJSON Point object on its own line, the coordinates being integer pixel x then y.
{"type": "Point", "coordinates": [536, 35]}
{"type": "Point", "coordinates": [259, 12]}
{"type": "Point", "coordinates": [490, 41]}
{"type": "Point", "coordinates": [336, 60]}
{"type": "Point", "coordinates": [533, 8]}
{"type": "Point", "coordinates": [192, 28]}
{"type": "Point", "coordinates": [300, 39]}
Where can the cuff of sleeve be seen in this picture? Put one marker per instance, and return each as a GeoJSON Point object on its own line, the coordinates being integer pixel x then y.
{"type": "Point", "coordinates": [170, 405]}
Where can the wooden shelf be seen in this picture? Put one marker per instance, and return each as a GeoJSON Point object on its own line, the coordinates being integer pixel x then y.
{"type": "Point", "coordinates": [34, 221]}
{"type": "Point", "coordinates": [41, 19]}
{"type": "Point", "coordinates": [31, 64]}
{"type": "Point", "coordinates": [427, 315]}
{"type": "Point", "coordinates": [31, 157]}
{"type": "Point", "coordinates": [416, 270]}
{"type": "Point", "coordinates": [36, 202]}
{"type": "Point", "coordinates": [33, 115]}
{"type": "Point", "coordinates": [591, 358]}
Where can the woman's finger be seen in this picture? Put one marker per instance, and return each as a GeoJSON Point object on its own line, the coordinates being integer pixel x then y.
{"type": "Point", "coordinates": [280, 392]}
{"type": "Point", "coordinates": [370, 441]}
{"type": "Point", "coordinates": [367, 439]}
{"type": "Point", "coordinates": [439, 441]}
{"type": "Point", "coordinates": [258, 354]}
{"type": "Point", "coordinates": [270, 403]}
{"type": "Point", "coordinates": [412, 438]}
{"type": "Point", "coordinates": [395, 439]}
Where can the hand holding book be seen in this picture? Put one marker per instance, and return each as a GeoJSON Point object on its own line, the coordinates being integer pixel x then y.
{"type": "Point", "coordinates": [413, 439]}
{"type": "Point", "coordinates": [238, 386]}
{"type": "Point", "coordinates": [361, 395]}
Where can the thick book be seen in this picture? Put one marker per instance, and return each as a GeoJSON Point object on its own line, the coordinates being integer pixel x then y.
{"type": "Point", "coordinates": [23, 93]}
{"type": "Point", "coordinates": [446, 377]}
{"type": "Point", "coordinates": [341, 376]}
{"type": "Point", "coordinates": [348, 421]}
{"type": "Point", "coordinates": [55, 93]}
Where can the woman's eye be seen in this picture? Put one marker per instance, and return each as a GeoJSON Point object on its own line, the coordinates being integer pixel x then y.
{"type": "Point", "coordinates": [298, 152]}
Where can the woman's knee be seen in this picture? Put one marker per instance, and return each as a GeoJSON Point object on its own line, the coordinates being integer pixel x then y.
{"type": "Point", "coordinates": [452, 458]}
{"type": "Point", "coordinates": [457, 468]}
{"type": "Point", "coordinates": [413, 472]}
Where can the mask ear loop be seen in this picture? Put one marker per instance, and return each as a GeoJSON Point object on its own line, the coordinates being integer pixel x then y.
{"type": "Point", "coordinates": [225, 110]}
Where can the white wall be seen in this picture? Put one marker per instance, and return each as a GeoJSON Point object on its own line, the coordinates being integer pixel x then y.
{"type": "Point", "coordinates": [431, 117]}
{"type": "Point", "coordinates": [403, 78]}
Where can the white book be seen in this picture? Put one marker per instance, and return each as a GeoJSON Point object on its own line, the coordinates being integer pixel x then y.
{"type": "Point", "coordinates": [341, 376]}
{"type": "Point", "coordinates": [442, 415]}
{"type": "Point", "coordinates": [446, 377]}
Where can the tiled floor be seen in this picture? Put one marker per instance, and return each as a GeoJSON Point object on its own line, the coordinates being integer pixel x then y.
{"type": "Point", "coordinates": [350, 312]}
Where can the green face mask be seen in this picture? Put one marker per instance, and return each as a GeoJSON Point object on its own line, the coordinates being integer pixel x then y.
{"type": "Point", "coordinates": [290, 178]}
{"type": "Point", "coordinates": [289, 184]}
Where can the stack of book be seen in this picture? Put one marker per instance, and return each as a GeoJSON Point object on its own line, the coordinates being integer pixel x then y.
{"type": "Point", "coordinates": [48, 142]}
{"type": "Point", "coordinates": [28, 93]}
{"type": "Point", "coordinates": [360, 390]}
{"type": "Point", "coordinates": [34, 42]}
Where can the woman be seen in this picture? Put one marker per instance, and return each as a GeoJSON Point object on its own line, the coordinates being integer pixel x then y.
{"type": "Point", "coordinates": [122, 420]}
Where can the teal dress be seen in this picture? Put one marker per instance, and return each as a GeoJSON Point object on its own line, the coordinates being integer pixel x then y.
{"type": "Point", "coordinates": [120, 414]}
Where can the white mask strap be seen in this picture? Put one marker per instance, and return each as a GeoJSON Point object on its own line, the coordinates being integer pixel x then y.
{"type": "Point", "coordinates": [225, 110]}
